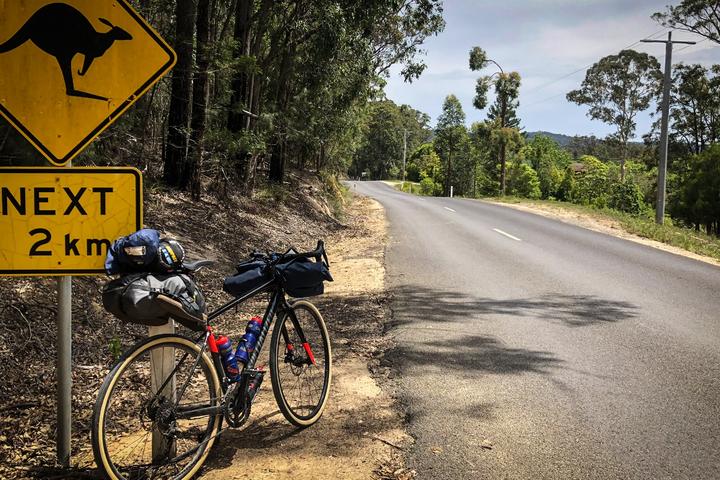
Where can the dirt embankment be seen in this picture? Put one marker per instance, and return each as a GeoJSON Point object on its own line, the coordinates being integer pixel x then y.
{"type": "Point", "coordinates": [354, 437]}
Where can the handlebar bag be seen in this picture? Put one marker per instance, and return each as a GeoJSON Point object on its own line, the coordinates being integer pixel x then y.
{"type": "Point", "coordinates": [136, 252]}
{"type": "Point", "coordinates": [303, 277]}
{"type": "Point", "coordinates": [133, 299]}
{"type": "Point", "coordinates": [250, 275]}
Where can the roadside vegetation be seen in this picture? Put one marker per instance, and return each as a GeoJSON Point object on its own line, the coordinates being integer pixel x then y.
{"type": "Point", "coordinates": [641, 225]}
{"type": "Point", "coordinates": [613, 176]}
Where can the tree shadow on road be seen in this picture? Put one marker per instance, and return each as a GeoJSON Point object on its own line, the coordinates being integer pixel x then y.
{"type": "Point", "coordinates": [472, 354]}
{"type": "Point", "coordinates": [413, 302]}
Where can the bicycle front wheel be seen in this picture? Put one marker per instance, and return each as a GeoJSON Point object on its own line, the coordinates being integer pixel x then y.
{"type": "Point", "coordinates": [158, 411]}
{"type": "Point", "coordinates": [301, 364]}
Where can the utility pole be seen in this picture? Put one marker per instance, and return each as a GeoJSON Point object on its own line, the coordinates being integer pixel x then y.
{"type": "Point", "coordinates": [662, 169]}
{"type": "Point", "coordinates": [404, 156]}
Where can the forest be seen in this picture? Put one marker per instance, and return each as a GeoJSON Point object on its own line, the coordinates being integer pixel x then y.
{"type": "Point", "coordinates": [260, 87]}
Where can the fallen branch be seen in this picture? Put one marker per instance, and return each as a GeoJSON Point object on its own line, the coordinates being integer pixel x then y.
{"type": "Point", "coordinates": [387, 442]}
{"type": "Point", "coordinates": [19, 406]}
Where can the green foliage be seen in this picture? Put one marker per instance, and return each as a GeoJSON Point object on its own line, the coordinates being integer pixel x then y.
{"type": "Point", "coordinates": [451, 144]}
{"type": "Point", "coordinates": [695, 106]}
{"type": "Point", "coordinates": [616, 88]}
{"type": "Point", "coordinates": [697, 16]}
{"type": "Point", "coordinates": [115, 348]}
{"type": "Point", "coordinates": [698, 201]}
{"type": "Point", "coordinates": [381, 146]}
{"type": "Point", "coordinates": [549, 161]}
{"type": "Point", "coordinates": [590, 186]}
{"type": "Point", "coordinates": [429, 187]}
{"type": "Point", "coordinates": [522, 181]}
{"type": "Point", "coordinates": [626, 197]}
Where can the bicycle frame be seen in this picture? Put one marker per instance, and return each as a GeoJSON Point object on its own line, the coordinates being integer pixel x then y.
{"type": "Point", "coordinates": [277, 304]}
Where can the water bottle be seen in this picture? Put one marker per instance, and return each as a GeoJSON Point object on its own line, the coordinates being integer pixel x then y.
{"type": "Point", "coordinates": [249, 339]}
{"type": "Point", "coordinates": [229, 360]}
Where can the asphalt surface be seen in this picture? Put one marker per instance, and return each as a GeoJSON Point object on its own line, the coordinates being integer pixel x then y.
{"type": "Point", "coordinates": [572, 354]}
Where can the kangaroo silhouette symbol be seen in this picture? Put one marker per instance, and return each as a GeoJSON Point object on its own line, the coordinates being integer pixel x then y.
{"type": "Point", "coordinates": [63, 32]}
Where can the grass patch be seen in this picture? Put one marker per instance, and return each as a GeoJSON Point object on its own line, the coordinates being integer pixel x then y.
{"type": "Point", "coordinates": [409, 187]}
{"type": "Point", "coordinates": [336, 195]}
{"type": "Point", "coordinates": [640, 225]}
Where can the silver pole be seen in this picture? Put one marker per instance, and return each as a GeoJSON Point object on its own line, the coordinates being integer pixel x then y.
{"type": "Point", "coordinates": [64, 370]}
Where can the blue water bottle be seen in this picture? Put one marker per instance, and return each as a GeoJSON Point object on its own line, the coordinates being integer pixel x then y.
{"type": "Point", "coordinates": [228, 358]}
{"type": "Point", "coordinates": [249, 339]}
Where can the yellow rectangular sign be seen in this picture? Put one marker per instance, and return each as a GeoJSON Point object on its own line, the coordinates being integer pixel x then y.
{"type": "Point", "coordinates": [61, 221]}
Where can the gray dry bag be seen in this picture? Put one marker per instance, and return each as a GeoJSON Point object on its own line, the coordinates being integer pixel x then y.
{"type": "Point", "coordinates": [133, 299]}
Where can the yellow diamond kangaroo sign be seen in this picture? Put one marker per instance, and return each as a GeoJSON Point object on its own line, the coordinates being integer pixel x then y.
{"type": "Point", "coordinates": [70, 68]}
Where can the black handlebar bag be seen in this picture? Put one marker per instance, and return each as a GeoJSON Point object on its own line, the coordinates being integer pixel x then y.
{"type": "Point", "coordinates": [250, 275]}
{"type": "Point", "coordinates": [133, 299]}
{"type": "Point", "coordinates": [303, 277]}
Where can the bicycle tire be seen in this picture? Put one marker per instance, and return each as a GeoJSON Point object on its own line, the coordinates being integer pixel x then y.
{"type": "Point", "coordinates": [104, 458]}
{"type": "Point", "coordinates": [289, 406]}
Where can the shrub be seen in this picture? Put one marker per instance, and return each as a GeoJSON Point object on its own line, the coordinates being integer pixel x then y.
{"type": "Point", "coordinates": [522, 180]}
{"type": "Point", "coordinates": [627, 197]}
{"type": "Point", "coordinates": [428, 187]}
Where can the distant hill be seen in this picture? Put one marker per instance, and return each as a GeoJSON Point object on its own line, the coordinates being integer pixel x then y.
{"type": "Point", "coordinates": [562, 140]}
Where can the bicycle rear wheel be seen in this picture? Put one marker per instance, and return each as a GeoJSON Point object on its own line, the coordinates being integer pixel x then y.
{"type": "Point", "coordinates": [142, 425]}
{"type": "Point", "coordinates": [301, 364]}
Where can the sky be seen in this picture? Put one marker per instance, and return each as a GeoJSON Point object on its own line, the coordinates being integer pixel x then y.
{"type": "Point", "coordinates": [543, 40]}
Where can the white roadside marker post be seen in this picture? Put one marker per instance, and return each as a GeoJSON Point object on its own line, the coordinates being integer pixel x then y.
{"type": "Point", "coordinates": [162, 363]}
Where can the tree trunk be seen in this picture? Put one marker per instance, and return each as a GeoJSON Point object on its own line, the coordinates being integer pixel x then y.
{"type": "Point", "coordinates": [282, 97]}
{"type": "Point", "coordinates": [240, 96]}
{"type": "Point", "coordinates": [201, 96]}
{"type": "Point", "coordinates": [175, 168]}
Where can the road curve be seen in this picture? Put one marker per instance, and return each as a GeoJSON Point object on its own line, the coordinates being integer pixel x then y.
{"type": "Point", "coordinates": [570, 353]}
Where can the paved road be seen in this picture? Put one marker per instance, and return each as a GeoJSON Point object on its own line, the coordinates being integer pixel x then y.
{"type": "Point", "coordinates": [577, 354]}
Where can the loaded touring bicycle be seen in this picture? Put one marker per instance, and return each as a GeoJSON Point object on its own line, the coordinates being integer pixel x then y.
{"type": "Point", "coordinates": [166, 400]}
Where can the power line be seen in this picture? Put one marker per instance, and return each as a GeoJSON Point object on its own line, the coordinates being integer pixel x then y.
{"type": "Point", "coordinates": [540, 87]}
{"type": "Point", "coordinates": [651, 37]}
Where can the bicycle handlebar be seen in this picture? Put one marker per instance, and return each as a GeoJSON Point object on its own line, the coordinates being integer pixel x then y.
{"type": "Point", "coordinates": [318, 254]}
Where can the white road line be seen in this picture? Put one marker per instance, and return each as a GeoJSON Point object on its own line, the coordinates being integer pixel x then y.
{"type": "Point", "coordinates": [507, 234]}
{"type": "Point", "coordinates": [449, 209]}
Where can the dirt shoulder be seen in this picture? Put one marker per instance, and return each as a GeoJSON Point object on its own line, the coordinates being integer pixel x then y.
{"type": "Point", "coordinates": [360, 432]}
{"type": "Point", "coordinates": [601, 224]}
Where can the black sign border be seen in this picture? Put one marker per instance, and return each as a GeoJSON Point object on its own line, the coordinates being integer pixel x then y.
{"type": "Point", "coordinates": [80, 170]}
{"type": "Point", "coordinates": [116, 113]}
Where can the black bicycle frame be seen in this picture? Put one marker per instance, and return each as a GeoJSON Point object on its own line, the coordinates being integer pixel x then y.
{"type": "Point", "coordinates": [277, 304]}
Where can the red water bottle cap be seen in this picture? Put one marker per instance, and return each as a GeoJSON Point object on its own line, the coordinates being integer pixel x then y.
{"type": "Point", "coordinates": [257, 319]}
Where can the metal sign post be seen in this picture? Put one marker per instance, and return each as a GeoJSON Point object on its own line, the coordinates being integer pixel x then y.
{"type": "Point", "coordinates": [63, 372]}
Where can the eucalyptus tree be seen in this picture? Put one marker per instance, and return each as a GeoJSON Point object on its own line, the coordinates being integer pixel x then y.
{"type": "Point", "coordinates": [503, 112]}
{"type": "Point", "coordinates": [616, 89]}
{"type": "Point", "coordinates": [695, 110]}
{"type": "Point", "coordinates": [450, 136]}
{"type": "Point", "coordinates": [696, 16]}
